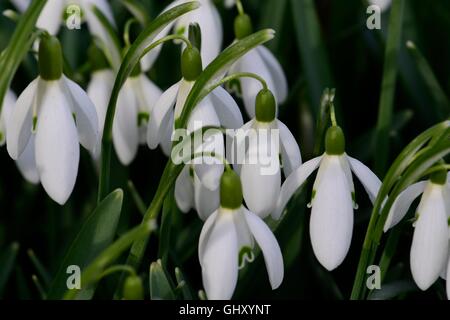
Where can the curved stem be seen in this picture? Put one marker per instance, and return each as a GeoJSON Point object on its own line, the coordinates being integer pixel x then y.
{"type": "Point", "coordinates": [238, 75]}
{"type": "Point", "coordinates": [126, 33]}
{"type": "Point", "coordinates": [117, 268]}
{"type": "Point", "coordinates": [165, 39]}
{"type": "Point", "coordinates": [240, 7]}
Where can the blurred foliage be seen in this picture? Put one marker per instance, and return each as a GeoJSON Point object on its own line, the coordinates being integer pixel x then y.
{"type": "Point", "coordinates": [326, 45]}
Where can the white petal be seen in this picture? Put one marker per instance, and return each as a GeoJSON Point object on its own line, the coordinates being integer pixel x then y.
{"type": "Point", "coordinates": [206, 201]}
{"type": "Point", "coordinates": [184, 190]}
{"type": "Point", "coordinates": [147, 93]}
{"type": "Point", "coordinates": [226, 108]}
{"type": "Point", "coordinates": [21, 5]}
{"type": "Point", "coordinates": [220, 259]}
{"type": "Point", "coordinates": [280, 86]}
{"type": "Point", "coordinates": [261, 176]}
{"type": "Point", "coordinates": [369, 180]}
{"type": "Point", "coordinates": [210, 169]}
{"type": "Point", "coordinates": [21, 121]}
{"type": "Point", "coordinates": [383, 4]}
{"type": "Point", "coordinates": [183, 92]}
{"type": "Point", "coordinates": [331, 223]}
{"type": "Point", "coordinates": [99, 91]}
{"type": "Point", "coordinates": [125, 129]}
{"type": "Point", "coordinates": [97, 30]}
{"type": "Point", "coordinates": [205, 233]}
{"type": "Point", "coordinates": [230, 3]}
{"type": "Point", "coordinates": [8, 105]}
{"type": "Point", "coordinates": [448, 282]}
{"type": "Point", "coordinates": [269, 247]}
{"type": "Point", "coordinates": [290, 151]}
{"type": "Point", "coordinates": [166, 143]}
{"type": "Point", "coordinates": [85, 115]}
{"type": "Point", "coordinates": [429, 248]}
{"type": "Point", "coordinates": [237, 152]}
{"type": "Point", "coordinates": [252, 62]}
{"type": "Point", "coordinates": [27, 162]}
{"type": "Point", "coordinates": [57, 148]}
{"type": "Point", "coordinates": [51, 16]}
{"type": "Point", "coordinates": [245, 237]}
{"type": "Point", "coordinates": [402, 203]}
{"type": "Point", "coordinates": [160, 116]}
{"type": "Point", "coordinates": [293, 182]}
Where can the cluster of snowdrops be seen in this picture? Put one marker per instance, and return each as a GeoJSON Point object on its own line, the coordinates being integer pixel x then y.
{"type": "Point", "coordinates": [45, 125]}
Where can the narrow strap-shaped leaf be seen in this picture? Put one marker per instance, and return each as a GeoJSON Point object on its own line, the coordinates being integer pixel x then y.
{"type": "Point", "coordinates": [18, 45]}
{"type": "Point", "coordinates": [388, 87]}
{"type": "Point", "coordinates": [137, 10]}
{"type": "Point", "coordinates": [160, 288]}
{"type": "Point", "coordinates": [96, 234]}
{"type": "Point", "coordinates": [7, 261]}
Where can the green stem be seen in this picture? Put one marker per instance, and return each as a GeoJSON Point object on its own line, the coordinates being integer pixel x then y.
{"type": "Point", "coordinates": [126, 32]}
{"type": "Point", "coordinates": [240, 7]}
{"type": "Point", "coordinates": [388, 87]}
{"type": "Point", "coordinates": [117, 268]}
{"type": "Point", "coordinates": [238, 75]}
{"type": "Point", "coordinates": [136, 197]}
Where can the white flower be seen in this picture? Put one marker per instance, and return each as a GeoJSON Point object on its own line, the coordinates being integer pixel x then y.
{"type": "Point", "coordinates": [99, 91]}
{"type": "Point", "coordinates": [52, 16]}
{"type": "Point", "coordinates": [210, 24]}
{"type": "Point", "coordinates": [262, 62]}
{"type": "Point", "coordinates": [26, 162]}
{"type": "Point", "coordinates": [268, 141]}
{"type": "Point", "coordinates": [331, 224]}
{"type": "Point", "coordinates": [227, 240]}
{"type": "Point", "coordinates": [135, 103]}
{"type": "Point", "coordinates": [229, 3]}
{"type": "Point", "coordinates": [430, 245]}
{"type": "Point", "coordinates": [191, 193]}
{"type": "Point", "coordinates": [217, 109]}
{"type": "Point", "coordinates": [383, 4]}
{"type": "Point", "coordinates": [64, 116]}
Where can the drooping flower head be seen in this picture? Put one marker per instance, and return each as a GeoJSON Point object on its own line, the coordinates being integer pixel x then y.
{"type": "Point", "coordinates": [59, 115]}
{"type": "Point", "coordinates": [333, 197]}
{"type": "Point", "coordinates": [258, 161]}
{"type": "Point", "coordinates": [227, 241]}
{"type": "Point", "coordinates": [430, 245]}
{"type": "Point", "coordinates": [259, 61]}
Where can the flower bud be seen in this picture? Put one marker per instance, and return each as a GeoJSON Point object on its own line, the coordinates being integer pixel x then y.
{"type": "Point", "coordinates": [242, 26]}
{"type": "Point", "coordinates": [50, 58]}
{"type": "Point", "coordinates": [265, 106]}
{"type": "Point", "coordinates": [191, 64]}
{"type": "Point", "coordinates": [335, 141]}
{"type": "Point", "coordinates": [133, 288]}
{"type": "Point", "coordinates": [230, 190]}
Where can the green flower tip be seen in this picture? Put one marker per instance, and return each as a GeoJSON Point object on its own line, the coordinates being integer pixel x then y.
{"type": "Point", "coordinates": [195, 35]}
{"type": "Point", "coordinates": [97, 58]}
{"type": "Point", "coordinates": [265, 106]}
{"type": "Point", "coordinates": [335, 141]}
{"type": "Point", "coordinates": [50, 58]}
{"type": "Point", "coordinates": [242, 26]}
{"type": "Point", "coordinates": [133, 288]}
{"type": "Point", "coordinates": [230, 190]}
{"type": "Point", "coordinates": [191, 64]}
{"type": "Point", "coordinates": [439, 177]}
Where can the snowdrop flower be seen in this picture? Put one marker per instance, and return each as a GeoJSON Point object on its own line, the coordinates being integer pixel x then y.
{"type": "Point", "coordinates": [227, 240]}
{"type": "Point", "coordinates": [58, 114]}
{"type": "Point", "coordinates": [208, 19]}
{"type": "Point", "coordinates": [217, 109]}
{"type": "Point", "coordinates": [53, 13]}
{"type": "Point", "coordinates": [430, 245]}
{"type": "Point", "coordinates": [331, 224]}
{"type": "Point", "coordinates": [260, 170]}
{"type": "Point", "coordinates": [135, 103]}
{"type": "Point", "coordinates": [259, 61]}
{"type": "Point", "coordinates": [383, 4]}
{"type": "Point", "coordinates": [26, 162]}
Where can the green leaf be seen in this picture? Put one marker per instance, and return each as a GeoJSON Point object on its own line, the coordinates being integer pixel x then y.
{"type": "Point", "coordinates": [182, 285]}
{"type": "Point", "coordinates": [273, 17]}
{"type": "Point", "coordinates": [160, 288]}
{"type": "Point", "coordinates": [7, 261]}
{"type": "Point", "coordinates": [18, 46]}
{"type": "Point", "coordinates": [96, 234]}
{"type": "Point", "coordinates": [169, 209]}
{"type": "Point", "coordinates": [41, 270]}
{"type": "Point", "coordinates": [137, 10]}
{"type": "Point", "coordinates": [388, 86]}
{"type": "Point", "coordinates": [129, 62]}
{"type": "Point", "coordinates": [215, 71]}
{"type": "Point", "coordinates": [313, 52]}
{"type": "Point", "coordinates": [94, 271]}
{"type": "Point", "coordinates": [392, 290]}
{"type": "Point", "coordinates": [438, 94]}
